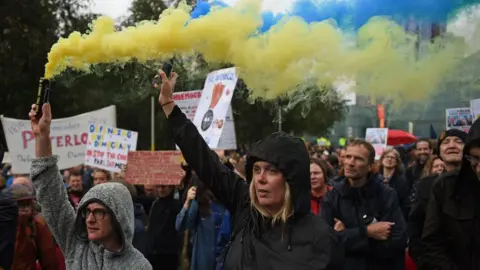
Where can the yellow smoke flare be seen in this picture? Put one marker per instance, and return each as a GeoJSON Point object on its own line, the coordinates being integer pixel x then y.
{"type": "Point", "coordinates": [383, 60]}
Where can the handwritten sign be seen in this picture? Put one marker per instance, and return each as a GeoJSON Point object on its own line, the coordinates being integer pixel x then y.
{"type": "Point", "coordinates": [69, 138]}
{"type": "Point", "coordinates": [154, 168]}
{"type": "Point", "coordinates": [108, 147]}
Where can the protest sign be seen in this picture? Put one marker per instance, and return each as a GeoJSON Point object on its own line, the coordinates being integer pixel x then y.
{"type": "Point", "coordinates": [108, 147]}
{"type": "Point", "coordinates": [378, 138]}
{"type": "Point", "coordinates": [154, 168]}
{"type": "Point", "coordinates": [475, 108]}
{"type": "Point", "coordinates": [188, 103]}
{"type": "Point", "coordinates": [214, 104]}
{"type": "Point", "coordinates": [458, 118]}
{"type": "Point", "coordinates": [68, 135]}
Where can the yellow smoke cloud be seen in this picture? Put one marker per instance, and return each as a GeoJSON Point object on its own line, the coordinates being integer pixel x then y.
{"type": "Point", "coordinates": [383, 60]}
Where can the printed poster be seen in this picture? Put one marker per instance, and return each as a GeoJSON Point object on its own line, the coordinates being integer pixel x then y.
{"type": "Point", "coordinates": [188, 103]}
{"type": "Point", "coordinates": [459, 118]}
{"type": "Point", "coordinates": [69, 138]}
{"type": "Point", "coordinates": [108, 147]}
{"type": "Point", "coordinates": [378, 138]}
{"type": "Point", "coordinates": [212, 110]}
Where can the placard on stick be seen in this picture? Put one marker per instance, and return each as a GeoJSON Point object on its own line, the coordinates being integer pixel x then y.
{"type": "Point", "coordinates": [154, 168]}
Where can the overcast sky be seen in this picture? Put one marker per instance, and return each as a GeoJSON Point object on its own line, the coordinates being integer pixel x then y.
{"type": "Point", "coordinates": [117, 8]}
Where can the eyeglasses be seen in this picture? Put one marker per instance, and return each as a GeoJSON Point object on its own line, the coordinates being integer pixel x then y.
{"type": "Point", "coordinates": [98, 214]}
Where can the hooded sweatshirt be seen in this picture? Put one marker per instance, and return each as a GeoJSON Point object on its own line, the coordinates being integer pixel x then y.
{"type": "Point", "coordinates": [69, 228]}
{"type": "Point", "coordinates": [305, 242]}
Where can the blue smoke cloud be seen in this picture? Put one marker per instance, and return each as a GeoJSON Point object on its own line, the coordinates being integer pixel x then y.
{"type": "Point", "coordinates": [355, 13]}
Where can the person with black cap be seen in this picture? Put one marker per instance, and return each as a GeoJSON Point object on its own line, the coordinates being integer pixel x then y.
{"type": "Point", "coordinates": [451, 235]}
{"type": "Point", "coordinates": [450, 147]}
{"type": "Point", "coordinates": [272, 227]}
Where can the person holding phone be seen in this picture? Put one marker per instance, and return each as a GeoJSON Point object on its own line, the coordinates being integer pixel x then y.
{"type": "Point", "coordinates": [272, 227]}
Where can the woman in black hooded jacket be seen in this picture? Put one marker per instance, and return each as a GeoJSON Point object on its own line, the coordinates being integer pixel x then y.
{"type": "Point", "coordinates": [290, 238]}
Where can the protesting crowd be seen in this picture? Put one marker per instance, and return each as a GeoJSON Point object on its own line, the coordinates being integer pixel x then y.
{"type": "Point", "coordinates": [283, 205]}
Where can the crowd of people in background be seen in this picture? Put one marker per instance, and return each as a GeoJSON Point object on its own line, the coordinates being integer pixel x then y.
{"type": "Point", "coordinates": [287, 204]}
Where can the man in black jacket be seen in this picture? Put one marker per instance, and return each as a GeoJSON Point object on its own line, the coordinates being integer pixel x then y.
{"type": "Point", "coordinates": [450, 147]}
{"type": "Point", "coordinates": [451, 235]}
{"type": "Point", "coordinates": [366, 213]}
{"type": "Point", "coordinates": [164, 240]}
{"type": "Point", "coordinates": [423, 151]}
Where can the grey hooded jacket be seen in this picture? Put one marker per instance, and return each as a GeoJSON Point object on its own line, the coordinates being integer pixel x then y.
{"type": "Point", "coordinates": [69, 228]}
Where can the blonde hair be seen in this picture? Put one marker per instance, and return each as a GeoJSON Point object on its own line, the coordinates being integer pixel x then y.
{"type": "Point", "coordinates": [281, 216]}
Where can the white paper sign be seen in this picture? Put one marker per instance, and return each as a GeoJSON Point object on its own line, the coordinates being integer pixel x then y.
{"type": "Point", "coordinates": [378, 138]}
{"type": "Point", "coordinates": [475, 108]}
{"type": "Point", "coordinates": [108, 147]}
{"type": "Point", "coordinates": [210, 118]}
{"type": "Point", "coordinates": [188, 103]}
{"type": "Point", "coordinates": [69, 138]}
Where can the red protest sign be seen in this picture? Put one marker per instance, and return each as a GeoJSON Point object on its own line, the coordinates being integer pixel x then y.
{"type": "Point", "coordinates": [154, 168]}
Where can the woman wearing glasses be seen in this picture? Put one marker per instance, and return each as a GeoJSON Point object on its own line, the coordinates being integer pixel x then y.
{"type": "Point", "coordinates": [99, 235]}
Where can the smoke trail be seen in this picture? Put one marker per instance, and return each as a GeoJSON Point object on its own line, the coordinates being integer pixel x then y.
{"type": "Point", "coordinates": [352, 14]}
{"type": "Point", "coordinates": [383, 61]}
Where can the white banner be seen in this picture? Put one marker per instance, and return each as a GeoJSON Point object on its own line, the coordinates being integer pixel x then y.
{"type": "Point", "coordinates": [188, 103]}
{"type": "Point", "coordinates": [210, 118]}
{"type": "Point", "coordinates": [69, 138]}
{"type": "Point", "coordinates": [108, 147]}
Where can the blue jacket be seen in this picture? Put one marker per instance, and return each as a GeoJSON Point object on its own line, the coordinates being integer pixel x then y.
{"type": "Point", "coordinates": [223, 239]}
{"type": "Point", "coordinates": [204, 231]}
{"type": "Point", "coordinates": [359, 207]}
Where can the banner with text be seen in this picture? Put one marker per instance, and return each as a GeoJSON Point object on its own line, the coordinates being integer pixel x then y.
{"type": "Point", "coordinates": [154, 168]}
{"type": "Point", "coordinates": [69, 138]}
{"type": "Point", "coordinates": [108, 147]}
{"type": "Point", "coordinates": [188, 103]}
{"type": "Point", "coordinates": [214, 104]}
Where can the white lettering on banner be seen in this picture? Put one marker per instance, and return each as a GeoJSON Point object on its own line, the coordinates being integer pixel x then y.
{"type": "Point", "coordinates": [69, 137]}
{"type": "Point", "coordinates": [108, 147]}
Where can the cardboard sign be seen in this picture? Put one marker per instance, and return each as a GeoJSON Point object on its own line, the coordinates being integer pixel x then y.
{"type": "Point", "coordinates": [154, 168]}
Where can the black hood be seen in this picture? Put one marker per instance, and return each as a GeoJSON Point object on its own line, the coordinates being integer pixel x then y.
{"type": "Point", "coordinates": [473, 136]}
{"type": "Point", "coordinates": [290, 156]}
{"type": "Point", "coordinates": [466, 173]}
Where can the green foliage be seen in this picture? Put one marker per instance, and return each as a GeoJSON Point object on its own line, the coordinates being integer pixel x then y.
{"type": "Point", "coordinates": [30, 28]}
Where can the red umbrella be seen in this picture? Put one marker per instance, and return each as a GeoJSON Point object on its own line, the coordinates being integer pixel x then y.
{"type": "Point", "coordinates": [397, 137]}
